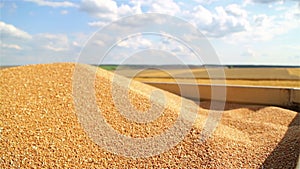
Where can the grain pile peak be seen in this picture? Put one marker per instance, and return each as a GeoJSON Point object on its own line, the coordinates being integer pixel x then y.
{"type": "Point", "coordinates": [44, 115]}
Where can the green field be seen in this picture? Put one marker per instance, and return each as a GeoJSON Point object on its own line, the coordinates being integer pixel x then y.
{"type": "Point", "coordinates": [109, 67]}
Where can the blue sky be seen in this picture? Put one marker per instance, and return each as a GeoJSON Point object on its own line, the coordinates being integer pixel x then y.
{"type": "Point", "coordinates": [241, 32]}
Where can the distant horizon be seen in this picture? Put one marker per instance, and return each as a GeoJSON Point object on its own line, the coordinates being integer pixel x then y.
{"type": "Point", "coordinates": [157, 65]}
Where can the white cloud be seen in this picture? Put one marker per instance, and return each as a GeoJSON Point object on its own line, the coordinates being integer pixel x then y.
{"type": "Point", "coordinates": [19, 47]}
{"type": "Point", "coordinates": [100, 8]}
{"type": "Point", "coordinates": [265, 27]}
{"type": "Point", "coordinates": [167, 7]}
{"type": "Point", "coordinates": [292, 14]}
{"type": "Point", "coordinates": [281, 8]}
{"type": "Point", "coordinates": [250, 53]}
{"type": "Point", "coordinates": [108, 10]}
{"type": "Point", "coordinates": [10, 46]}
{"type": "Point", "coordinates": [216, 23]}
{"type": "Point", "coordinates": [202, 15]}
{"type": "Point", "coordinates": [220, 22]}
{"type": "Point", "coordinates": [136, 42]}
{"type": "Point", "coordinates": [267, 1]}
{"type": "Point", "coordinates": [236, 10]}
{"type": "Point", "coordinates": [53, 3]}
{"type": "Point", "coordinates": [205, 1]}
{"type": "Point", "coordinates": [125, 10]}
{"type": "Point", "coordinates": [53, 42]}
{"type": "Point", "coordinates": [11, 30]}
{"type": "Point", "coordinates": [129, 49]}
{"type": "Point", "coordinates": [64, 12]}
{"type": "Point", "coordinates": [98, 23]}
{"type": "Point", "coordinates": [98, 43]}
{"type": "Point", "coordinates": [56, 49]}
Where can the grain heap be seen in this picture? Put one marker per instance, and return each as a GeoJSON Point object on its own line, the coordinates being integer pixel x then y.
{"type": "Point", "coordinates": [39, 129]}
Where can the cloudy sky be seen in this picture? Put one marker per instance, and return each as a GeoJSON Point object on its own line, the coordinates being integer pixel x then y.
{"type": "Point", "coordinates": [241, 32]}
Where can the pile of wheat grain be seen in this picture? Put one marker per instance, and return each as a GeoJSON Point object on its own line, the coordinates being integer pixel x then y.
{"type": "Point", "coordinates": [40, 129]}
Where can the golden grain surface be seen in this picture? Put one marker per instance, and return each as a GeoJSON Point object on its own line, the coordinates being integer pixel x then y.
{"type": "Point", "coordinates": [39, 127]}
